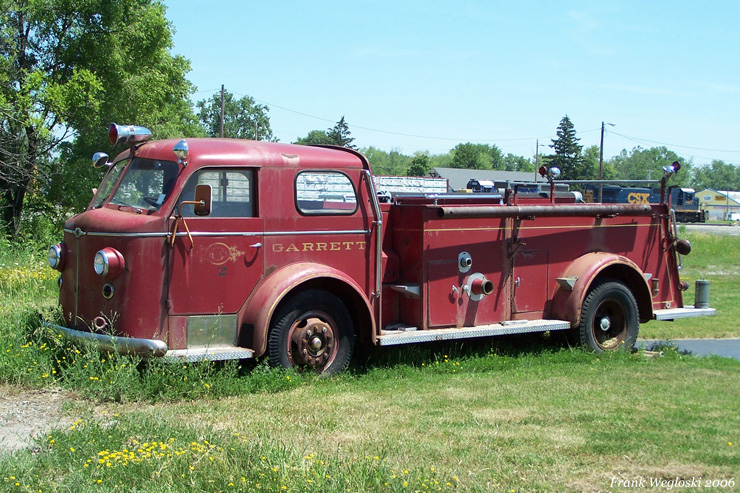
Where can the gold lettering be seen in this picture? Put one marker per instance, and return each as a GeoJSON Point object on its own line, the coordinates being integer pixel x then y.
{"type": "Point", "coordinates": [638, 198]}
{"type": "Point", "coordinates": [320, 247]}
{"type": "Point", "coordinates": [334, 246]}
{"type": "Point", "coordinates": [361, 244]}
{"type": "Point", "coordinates": [347, 245]}
{"type": "Point", "coordinates": [292, 248]}
{"type": "Point", "coordinates": [277, 247]}
{"type": "Point", "coordinates": [308, 247]}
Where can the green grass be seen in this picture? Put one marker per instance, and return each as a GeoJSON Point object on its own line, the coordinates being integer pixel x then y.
{"type": "Point", "coordinates": [540, 420]}
{"type": "Point", "coordinates": [517, 413]}
{"type": "Point", "coordinates": [716, 259]}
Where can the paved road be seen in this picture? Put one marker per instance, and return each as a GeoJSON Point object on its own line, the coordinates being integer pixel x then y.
{"type": "Point", "coordinates": [715, 229]}
{"type": "Point", "coordinates": [729, 348]}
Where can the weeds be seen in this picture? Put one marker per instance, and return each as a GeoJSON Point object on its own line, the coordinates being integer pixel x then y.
{"type": "Point", "coordinates": [514, 413]}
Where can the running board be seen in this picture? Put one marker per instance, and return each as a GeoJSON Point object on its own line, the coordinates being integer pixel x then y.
{"type": "Point", "coordinates": [410, 335]}
{"type": "Point", "coordinates": [213, 353]}
{"type": "Point", "coordinates": [686, 312]}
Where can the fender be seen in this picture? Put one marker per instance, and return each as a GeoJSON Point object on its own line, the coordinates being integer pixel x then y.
{"type": "Point", "coordinates": [262, 305]}
{"type": "Point", "coordinates": [566, 303]}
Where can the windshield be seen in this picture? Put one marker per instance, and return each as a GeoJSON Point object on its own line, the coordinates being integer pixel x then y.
{"type": "Point", "coordinates": [106, 186]}
{"type": "Point", "coordinates": [145, 184]}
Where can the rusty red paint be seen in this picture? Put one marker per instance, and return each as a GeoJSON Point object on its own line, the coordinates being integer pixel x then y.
{"type": "Point", "coordinates": [247, 266]}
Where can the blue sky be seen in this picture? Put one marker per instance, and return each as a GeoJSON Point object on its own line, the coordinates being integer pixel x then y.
{"type": "Point", "coordinates": [427, 75]}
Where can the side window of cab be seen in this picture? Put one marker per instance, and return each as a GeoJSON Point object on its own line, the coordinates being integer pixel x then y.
{"type": "Point", "coordinates": [324, 193]}
{"type": "Point", "coordinates": [232, 192]}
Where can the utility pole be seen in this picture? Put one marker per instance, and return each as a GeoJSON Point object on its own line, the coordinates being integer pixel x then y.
{"type": "Point", "coordinates": [537, 160]}
{"type": "Point", "coordinates": [601, 161]}
{"type": "Point", "coordinates": [222, 114]}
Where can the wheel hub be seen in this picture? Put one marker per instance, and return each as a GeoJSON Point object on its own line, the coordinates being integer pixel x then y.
{"type": "Point", "coordinates": [605, 324]}
{"type": "Point", "coordinates": [311, 342]}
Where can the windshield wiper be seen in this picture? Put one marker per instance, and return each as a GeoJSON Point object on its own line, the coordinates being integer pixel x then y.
{"type": "Point", "coordinates": [121, 202]}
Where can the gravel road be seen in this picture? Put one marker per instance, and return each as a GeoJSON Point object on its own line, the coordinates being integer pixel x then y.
{"type": "Point", "coordinates": [25, 414]}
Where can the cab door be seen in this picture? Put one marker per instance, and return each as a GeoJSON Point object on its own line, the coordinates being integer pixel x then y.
{"type": "Point", "coordinates": [215, 268]}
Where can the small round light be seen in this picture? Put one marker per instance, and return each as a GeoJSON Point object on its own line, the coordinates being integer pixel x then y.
{"type": "Point", "coordinates": [55, 256]}
{"type": "Point", "coordinates": [108, 291]}
{"type": "Point", "coordinates": [100, 263]}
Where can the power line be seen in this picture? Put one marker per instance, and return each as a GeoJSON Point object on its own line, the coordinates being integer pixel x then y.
{"type": "Point", "coordinates": [639, 140]}
{"type": "Point", "coordinates": [494, 141]}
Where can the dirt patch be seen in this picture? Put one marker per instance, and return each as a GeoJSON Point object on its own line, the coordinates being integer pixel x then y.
{"type": "Point", "coordinates": [26, 414]}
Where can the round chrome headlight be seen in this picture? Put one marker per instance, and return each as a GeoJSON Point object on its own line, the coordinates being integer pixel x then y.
{"type": "Point", "coordinates": [108, 262]}
{"type": "Point", "coordinates": [54, 255]}
{"type": "Point", "coordinates": [100, 263]}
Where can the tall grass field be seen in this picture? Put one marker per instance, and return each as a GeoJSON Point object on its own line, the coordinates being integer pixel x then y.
{"type": "Point", "coordinates": [525, 413]}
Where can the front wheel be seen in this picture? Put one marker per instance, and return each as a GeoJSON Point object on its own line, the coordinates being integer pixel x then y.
{"type": "Point", "coordinates": [313, 330]}
{"type": "Point", "coordinates": [609, 318]}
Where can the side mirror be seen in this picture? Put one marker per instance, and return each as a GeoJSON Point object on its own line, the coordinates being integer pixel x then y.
{"type": "Point", "coordinates": [202, 206]}
{"type": "Point", "coordinates": [100, 159]}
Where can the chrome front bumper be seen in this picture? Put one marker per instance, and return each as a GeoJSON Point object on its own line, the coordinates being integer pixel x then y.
{"type": "Point", "coordinates": [153, 348]}
{"type": "Point", "coordinates": [146, 348]}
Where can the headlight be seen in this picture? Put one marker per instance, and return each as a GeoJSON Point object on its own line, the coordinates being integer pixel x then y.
{"type": "Point", "coordinates": [100, 264]}
{"type": "Point", "coordinates": [108, 262]}
{"type": "Point", "coordinates": [55, 257]}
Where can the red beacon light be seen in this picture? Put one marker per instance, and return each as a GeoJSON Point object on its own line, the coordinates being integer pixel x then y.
{"type": "Point", "coordinates": [127, 134]}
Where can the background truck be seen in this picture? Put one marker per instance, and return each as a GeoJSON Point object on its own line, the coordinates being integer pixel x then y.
{"type": "Point", "coordinates": [223, 249]}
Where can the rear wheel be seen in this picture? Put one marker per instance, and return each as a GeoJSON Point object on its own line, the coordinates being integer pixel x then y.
{"type": "Point", "coordinates": [609, 318]}
{"type": "Point", "coordinates": [313, 331]}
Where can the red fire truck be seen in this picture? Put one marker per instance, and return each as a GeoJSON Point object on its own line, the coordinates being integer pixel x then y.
{"type": "Point", "coordinates": [231, 249]}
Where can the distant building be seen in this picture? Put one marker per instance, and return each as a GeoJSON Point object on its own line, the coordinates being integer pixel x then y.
{"type": "Point", "coordinates": [458, 178]}
{"type": "Point", "coordinates": [719, 204]}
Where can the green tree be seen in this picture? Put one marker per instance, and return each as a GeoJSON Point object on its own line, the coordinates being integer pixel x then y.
{"type": "Point", "coordinates": [718, 175]}
{"type": "Point", "coordinates": [567, 155]}
{"type": "Point", "coordinates": [647, 164]}
{"type": "Point", "coordinates": [338, 135]}
{"type": "Point", "coordinates": [68, 69]}
{"type": "Point", "coordinates": [513, 162]}
{"type": "Point", "coordinates": [477, 156]}
{"type": "Point", "coordinates": [419, 166]}
{"type": "Point", "coordinates": [315, 137]}
{"type": "Point", "coordinates": [243, 118]}
{"type": "Point", "coordinates": [590, 157]}
{"type": "Point", "coordinates": [391, 163]}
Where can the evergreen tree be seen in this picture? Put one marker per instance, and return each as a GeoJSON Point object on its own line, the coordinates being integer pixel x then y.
{"type": "Point", "coordinates": [340, 134]}
{"type": "Point", "coordinates": [567, 155]}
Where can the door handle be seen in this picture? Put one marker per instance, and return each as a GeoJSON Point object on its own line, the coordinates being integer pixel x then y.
{"type": "Point", "coordinates": [256, 245]}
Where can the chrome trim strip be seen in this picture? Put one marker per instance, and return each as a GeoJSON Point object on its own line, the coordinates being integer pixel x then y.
{"type": "Point", "coordinates": [394, 337]}
{"type": "Point", "coordinates": [378, 234]}
{"type": "Point", "coordinates": [101, 233]}
{"type": "Point", "coordinates": [279, 233]}
{"type": "Point", "coordinates": [318, 232]}
{"type": "Point", "coordinates": [122, 345]}
{"type": "Point", "coordinates": [220, 233]}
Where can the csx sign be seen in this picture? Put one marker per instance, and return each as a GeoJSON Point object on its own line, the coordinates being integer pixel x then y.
{"type": "Point", "coordinates": [638, 198]}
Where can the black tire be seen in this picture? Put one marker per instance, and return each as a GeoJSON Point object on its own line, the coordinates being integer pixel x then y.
{"type": "Point", "coordinates": [609, 318]}
{"type": "Point", "coordinates": [312, 331]}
